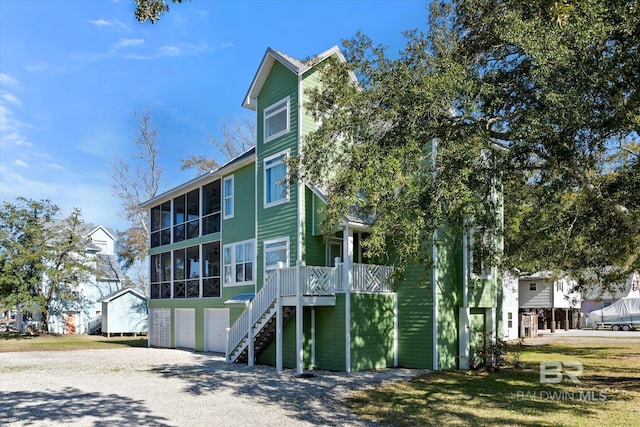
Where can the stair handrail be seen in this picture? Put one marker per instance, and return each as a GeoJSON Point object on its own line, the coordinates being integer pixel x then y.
{"type": "Point", "coordinates": [240, 328]}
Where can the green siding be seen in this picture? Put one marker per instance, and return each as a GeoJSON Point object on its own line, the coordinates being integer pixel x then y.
{"type": "Point", "coordinates": [415, 319]}
{"type": "Point", "coordinates": [242, 226]}
{"type": "Point", "coordinates": [371, 331]}
{"type": "Point", "coordinates": [268, 356]}
{"type": "Point", "coordinates": [330, 336]}
{"type": "Point", "coordinates": [314, 246]}
{"type": "Point", "coordinates": [280, 220]}
{"type": "Point", "coordinates": [449, 294]}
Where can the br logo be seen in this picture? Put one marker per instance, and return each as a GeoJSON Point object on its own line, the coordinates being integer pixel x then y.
{"type": "Point", "coordinates": [554, 372]}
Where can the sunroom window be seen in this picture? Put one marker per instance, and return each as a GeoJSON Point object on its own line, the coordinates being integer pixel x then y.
{"type": "Point", "coordinates": [276, 120]}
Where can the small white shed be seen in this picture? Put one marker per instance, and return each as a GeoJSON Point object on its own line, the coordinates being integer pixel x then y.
{"type": "Point", "coordinates": [124, 312]}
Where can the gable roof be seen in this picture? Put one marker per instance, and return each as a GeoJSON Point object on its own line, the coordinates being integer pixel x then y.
{"type": "Point", "coordinates": [296, 66]}
{"type": "Point", "coordinates": [237, 162]}
{"type": "Point", "coordinates": [108, 268]}
{"type": "Point", "coordinates": [119, 293]}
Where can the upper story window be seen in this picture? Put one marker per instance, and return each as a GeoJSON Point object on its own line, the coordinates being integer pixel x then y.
{"type": "Point", "coordinates": [228, 197]}
{"type": "Point", "coordinates": [480, 244]}
{"type": "Point", "coordinates": [275, 180]}
{"type": "Point", "coordinates": [276, 119]}
{"type": "Point", "coordinates": [238, 261]}
{"type": "Point", "coordinates": [533, 286]}
{"type": "Point", "coordinates": [211, 208]}
{"type": "Point", "coordinates": [187, 216]}
{"type": "Point", "coordinates": [161, 224]}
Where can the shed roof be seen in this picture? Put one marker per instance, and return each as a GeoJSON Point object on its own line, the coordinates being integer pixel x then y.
{"type": "Point", "coordinates": [119, 293]}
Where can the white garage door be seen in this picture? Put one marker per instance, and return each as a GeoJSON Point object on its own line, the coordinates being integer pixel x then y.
{"type": "Point", "coordinates": [216, 322]}
{"type": "Point", "coordinates": [185, 327]}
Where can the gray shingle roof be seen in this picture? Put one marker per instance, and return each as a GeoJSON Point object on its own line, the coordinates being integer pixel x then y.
{"type": "Point", "coordinates": [108, 268]}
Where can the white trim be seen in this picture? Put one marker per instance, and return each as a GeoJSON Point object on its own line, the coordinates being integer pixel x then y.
{"type": "Point", "coordinates": [225, 214]}
{"type": "Point", "coordinates": [234, 262]}
{"type": "Point", "coordinates": [284, 154]}
{"type": "Point", "coordinates": [277, 107]}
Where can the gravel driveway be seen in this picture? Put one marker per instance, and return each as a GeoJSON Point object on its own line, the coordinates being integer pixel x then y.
{"type": "Point", "coordinates": [163, 387]}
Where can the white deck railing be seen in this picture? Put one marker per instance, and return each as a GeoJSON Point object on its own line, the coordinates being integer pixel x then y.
{"type": "Point", "coordinates": [314, 281]}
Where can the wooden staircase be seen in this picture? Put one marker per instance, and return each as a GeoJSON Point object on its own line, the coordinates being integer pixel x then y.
{"type": "Point", "coordinates": [266, 334]}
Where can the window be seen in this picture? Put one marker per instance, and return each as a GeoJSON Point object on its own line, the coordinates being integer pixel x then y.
{"type": "Point", "coordinates": [238, 262]}
{"type": "Point", "coordinates": [532, 286]}
{"type": "Point", "coordinates": [186, 216]}
{"type": "Point", "coordinates": [509, 320]}
{"type": "Point", "coordinates": [186, 272]}
{"type": "Point", "coordinates": [275, 176]}
{"type": "Point", "coordinates": [480, 245]}
{"type": "Point", "coordinates": [276, 120]}
{"type": "Point", "coordinates": [161, 224]}
{"type": "Point", "coordinates": [161, 275]}
{"type": "Point", "coordinates": [211, 270]}
{"type": "Point", "coordinates": [275, 251]}
{"type": "Point", "coordinates": [560, 286]}
{"type": "Point", "coordinates": [211, 208]}
{"type": "Point", "coordinates": [228, 197]}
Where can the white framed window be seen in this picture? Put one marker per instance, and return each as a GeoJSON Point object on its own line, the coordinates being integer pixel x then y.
{"type": "Point", "coordinates": [533, 286]}
{"type": "Point", "coordinates": [238, 261]}
{"type": "Point", "coordinates": [276, 190]}
{"type": "Point", "coordinates": [276, 119]}
{"type": "Point", "coordinates": [275, 251]}
{"type": "Point", "coordinates": [479, 244]}
{"type": "Point", "coordinates": [560, 286]}
{"type": "Point", "coordinates": [228, 197]}
{"type": "Point", "coordinates": [509, 320]}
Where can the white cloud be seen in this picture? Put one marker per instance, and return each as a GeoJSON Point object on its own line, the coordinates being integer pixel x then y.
{"type": "Point", "coordinates": [56, 166]}
{"type": "Point", "coordinates": [182, 49]}
{"type": "Point", "coordinates": [103, 23]}
{"type": "Point", "coordinates": [11, 99]}
{"type": "Point", "coordinates": [21, 163]}
{"type": "Point", "coordinates": [128, 43]}
{"type": "Point", "coordinates": [169, 51]}
{"type": "Point", "coordinates": [100, 22]}
{"type": "Point", "coordinates": [11, 128]}
{"type": "Point", "coordinates": [7, 80]}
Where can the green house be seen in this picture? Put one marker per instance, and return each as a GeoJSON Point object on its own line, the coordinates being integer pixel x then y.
{"type": "Point", "coordinates": [239, 265]}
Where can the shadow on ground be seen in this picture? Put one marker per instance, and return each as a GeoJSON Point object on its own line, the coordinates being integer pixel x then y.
{"type": "Point", "coordinates": [317, 399]}
{"type": "Point", "coordinates": [70, 405]}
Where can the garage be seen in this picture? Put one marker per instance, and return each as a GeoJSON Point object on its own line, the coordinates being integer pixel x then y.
{"type": "Point", "coordinates": [185, 328]}
{"type": "Point", "coordinates": [216, 322]}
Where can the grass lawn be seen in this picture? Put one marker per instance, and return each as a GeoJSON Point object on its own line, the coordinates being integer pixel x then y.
{"type": "Point", "coordinates": [11, 341]}
{"type": "Point", "coordinates": [608, 393]}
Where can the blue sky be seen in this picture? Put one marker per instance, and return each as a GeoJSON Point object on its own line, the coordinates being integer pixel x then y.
{"type": "Point", "coordinates": [73, 71]}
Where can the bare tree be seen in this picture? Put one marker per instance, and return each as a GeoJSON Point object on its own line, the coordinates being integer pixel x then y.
{"type": "Point", "coordinates": [133, 183]}
{"type": "Point", "coordinates": [237, 137]}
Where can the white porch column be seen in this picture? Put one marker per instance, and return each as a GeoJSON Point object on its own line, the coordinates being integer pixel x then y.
{"type": "Point", "coordinates": [313, 337]}
{"type": "Point", "coordinates": [250, 337]}
{"type": "Point", "coordinates": [464, 333]}
{"type": "Point", "coordinates": [464, 338]}
{"type": "Point", "coordinates": [299, 317]}
{"type": "Point", "coordinates": [347, 260]}
{"type": "Point", "coordinates": [278, 320]}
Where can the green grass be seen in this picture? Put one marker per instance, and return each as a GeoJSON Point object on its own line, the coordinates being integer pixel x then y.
{"type": "Point", "coordinates": [608, 393]}
{"type": "Point", "coordinates": [10, 342]}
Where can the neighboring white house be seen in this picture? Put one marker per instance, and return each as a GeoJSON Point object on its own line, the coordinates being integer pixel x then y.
{"type": "Point", "coordinates": [82, 315]}
{"type": "Point", "coordinates": [510, 306]}
{"type": "Point", "coordinates": [597, 299]}
{"type": "Point", "coordinates": [553, 299]}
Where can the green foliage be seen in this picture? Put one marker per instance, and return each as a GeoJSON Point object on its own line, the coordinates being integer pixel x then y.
{"type": "Point", "coordinates": [40, 256]}
{"type": "Point", "coordinates": [539, 98]}
{"type": "Point", "coordinates": [151, 10]}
